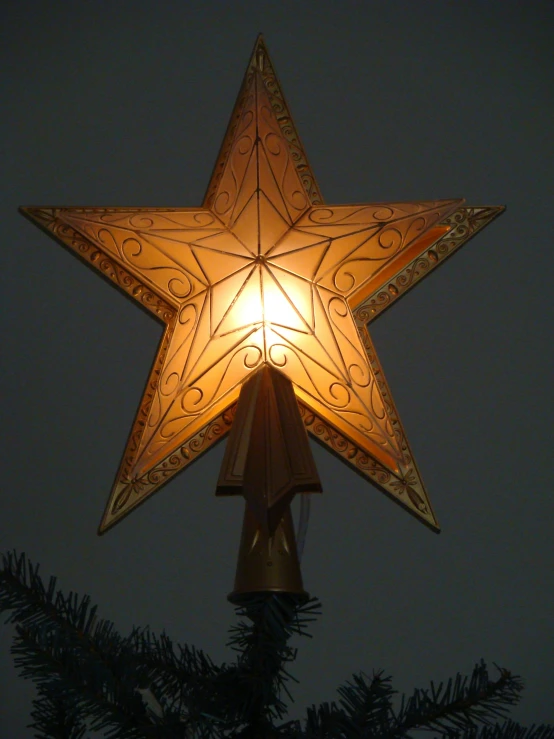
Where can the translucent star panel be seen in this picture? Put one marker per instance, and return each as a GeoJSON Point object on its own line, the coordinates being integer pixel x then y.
{"type": "Point", "coordinates": [264, 273]}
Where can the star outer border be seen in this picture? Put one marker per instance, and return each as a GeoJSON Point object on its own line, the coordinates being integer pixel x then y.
{"type": "Point", "coordinates": [405, 489]}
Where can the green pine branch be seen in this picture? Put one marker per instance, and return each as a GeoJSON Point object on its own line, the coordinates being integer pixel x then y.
{"type": "Point", "coordinates": [364, 709]}
{"type": "Point", "coordinates": [461, 704]}
{"type": "Point", "coordinates": [508, 730]}
{"type": "Point", "coordinates": [55, 718]}
{"type": "Point", "coordinates": [148, 687]}
{"type": "Point", "coordinates": [262, 642]}
{"type": "Point", "coordinates": [72, 657]}
{"type": "Point", "coordinates": [181, 678]}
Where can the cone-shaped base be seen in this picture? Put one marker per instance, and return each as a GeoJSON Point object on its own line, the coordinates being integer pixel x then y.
{"type": "Point", "coordinates": [267, 564]}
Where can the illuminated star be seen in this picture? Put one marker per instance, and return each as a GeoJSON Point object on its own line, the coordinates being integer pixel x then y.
{"type": "Point", "coordinates": [264, 272]}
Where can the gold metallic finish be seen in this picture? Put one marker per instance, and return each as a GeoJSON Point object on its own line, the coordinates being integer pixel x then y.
{"type": "Point", "coordinates": [267, 563]}
{"type": "Point", "coordinates": [49, 220]}
{"type": "Point", "coordinates": [461, 226]}
{"type": "Point", "coordinates": [404, 488]}
{"type": "Point", "coordinates": [260, 62]}
{"type": "Point", "coordinates": [268, 458]}
{"type": "Point", "coordinates": [265, 274]}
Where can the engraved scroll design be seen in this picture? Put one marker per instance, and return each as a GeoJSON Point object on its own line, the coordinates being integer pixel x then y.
{"type": "Point", "coordinates": [260, 63]}
{"type": "Point", "coordinates": [284, 118]}
{"type": "Point", "coordinates": [282, 162]}
{"type": "Point", "coordinates": [228, 140]}
{"type": "Point", "coordinates": [235, 170]}
{"type": "Point", "coordinates": [131, 492]}
{"type": "Point", "coordinates": [398, 431]}
{"type": "Point", "coordinates": [133, 239]}
{"type": "Point", "coordinates": [364, 239]}
{"type": "Point", "coordinates": [48, 219]}
{"type": "Point", "coordinates": [402, 489]}
{"type": "Point", "coordinates": [257, 159]}
{"type": "Point", "coordinates": [409, 482]}
{"type": "Point", "coordinates": [464, 223]}
{"type": "Point", "coordinates": [174, 405]}
{"type": "Point", "coordinates": [348, 403]}
{"type": "Point", "coordinates": [337, 395]}
{"type": "Point", "coordinates": [263, 236]}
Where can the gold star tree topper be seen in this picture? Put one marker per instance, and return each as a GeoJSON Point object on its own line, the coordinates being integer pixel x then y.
{"type": "Point", "coordinates": [265, 273]}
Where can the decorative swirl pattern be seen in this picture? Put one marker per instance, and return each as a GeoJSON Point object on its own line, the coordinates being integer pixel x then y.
{"type": "Point", "coordinates": [84, 248]}
{"type": "Point", "coordinates": [145, 408]}
{"type": "Point", "coordinates": [260, 63]}
{"type": "Point", "coordinates": [324, 386]}
{"type": "Point", "coordinates": [464, 223]}
{"type": "Point", "coordinates": [357, 366]}
{"type": "Point", "coordinates": [390, 239]}
{"type": "Point", "coordinates": [264, 273]}
{"type": "Point", "coordinates": [386, 399]}
{"type": "Point", "coordinates": [405, 490]}
{"type": "Point", "coordinates": [290, 133]}
{"type": "Point", "coordinates": [290, 184]}
{"type": "Point", "coordinates": [379, 213]}
{"type": "Point", "coordinates": [133, 491]}
{"type": "Point", "coordinates": [238, 157]}
{"type": "Point", "coordinates": [228, 140]}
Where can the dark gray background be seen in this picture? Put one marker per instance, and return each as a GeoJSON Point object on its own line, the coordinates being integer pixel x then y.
{"type": "Point", "coordinates": [126, 104]}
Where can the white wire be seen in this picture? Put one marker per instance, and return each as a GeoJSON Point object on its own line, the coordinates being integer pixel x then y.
{"type": "Point", "coordinates": [303, 519]}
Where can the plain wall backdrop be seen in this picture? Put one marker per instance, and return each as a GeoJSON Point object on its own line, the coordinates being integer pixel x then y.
{"type": "Point", "coordinates": [126, 103]}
